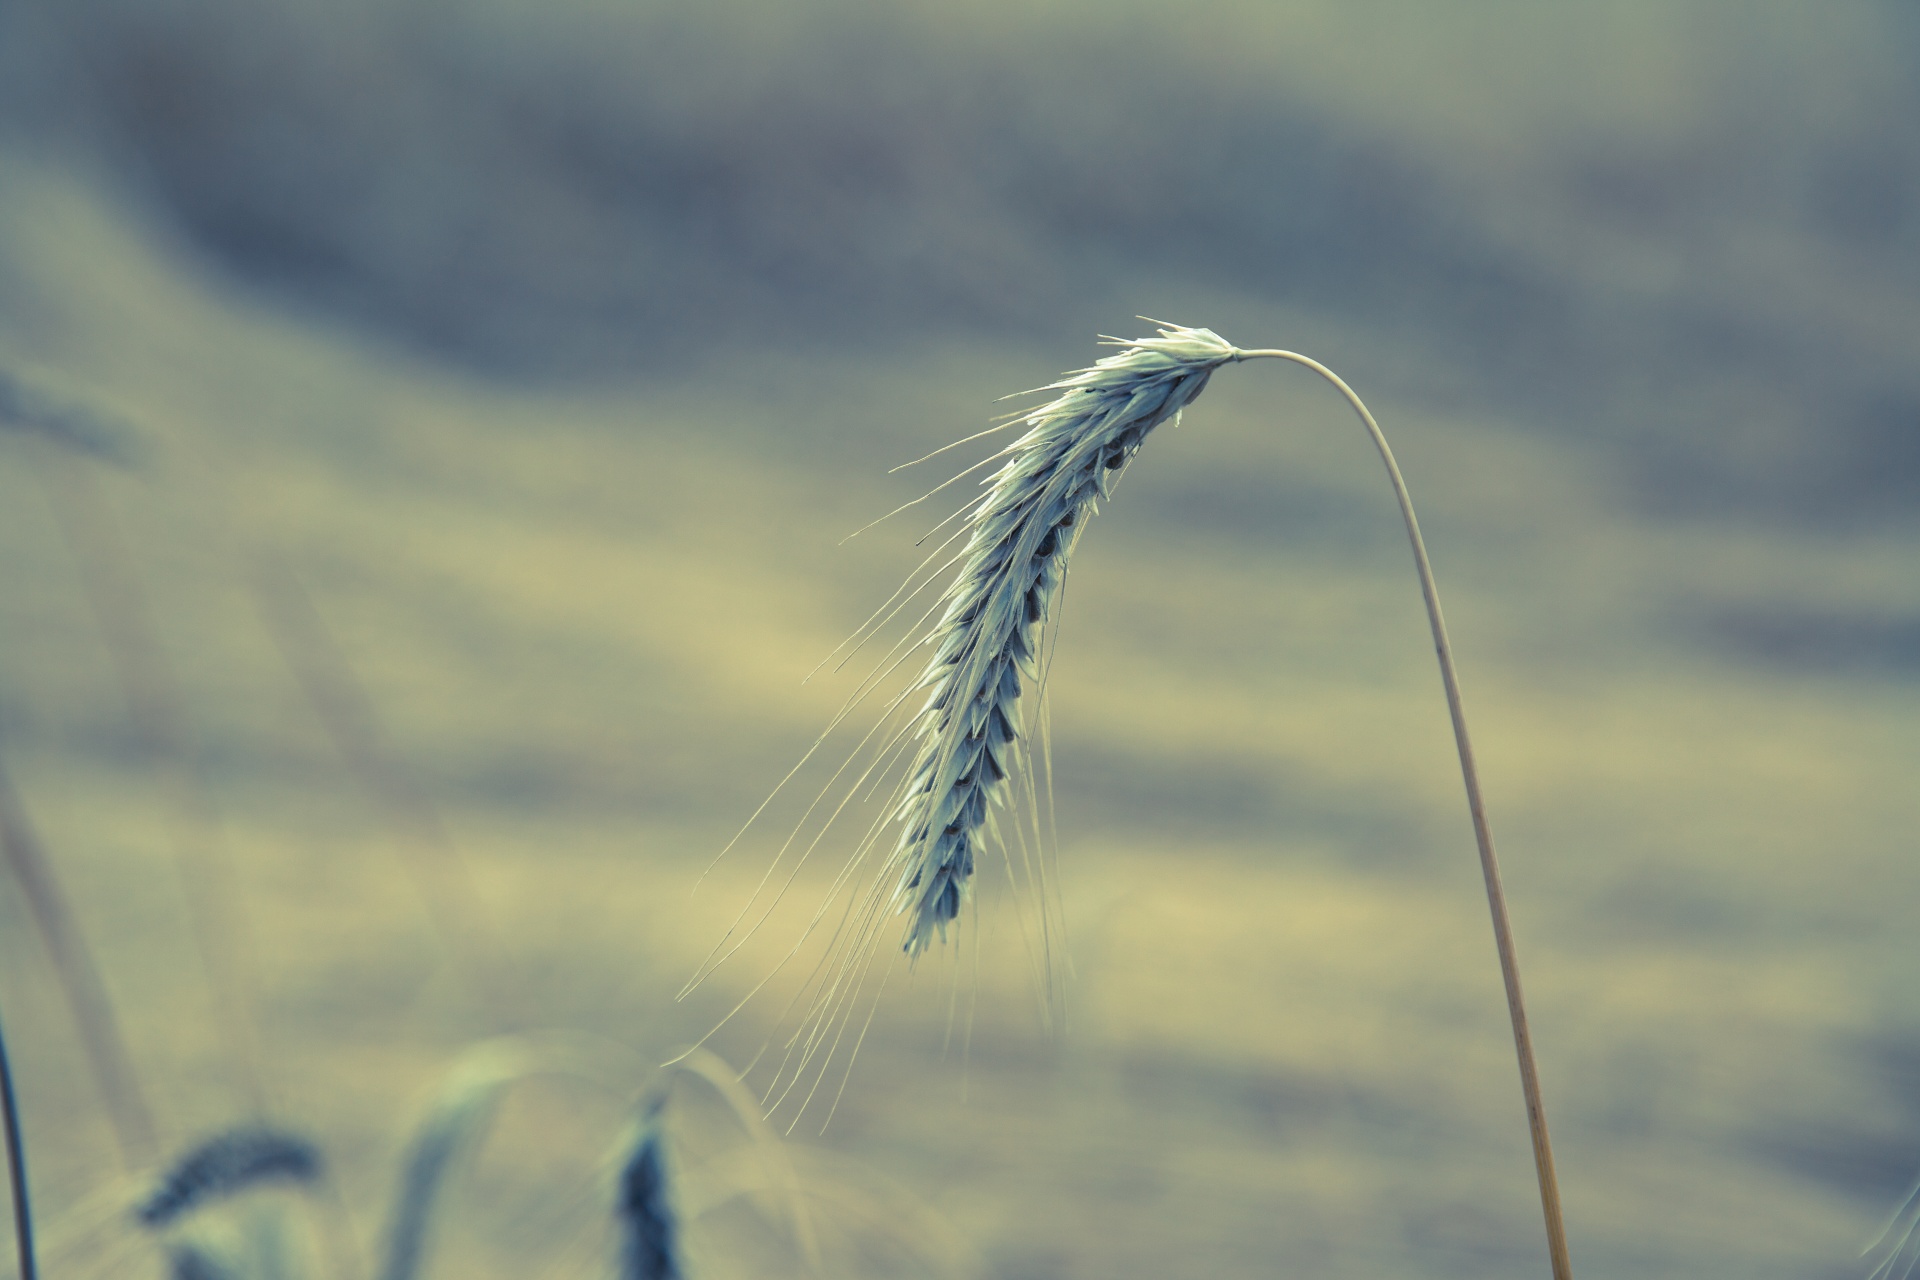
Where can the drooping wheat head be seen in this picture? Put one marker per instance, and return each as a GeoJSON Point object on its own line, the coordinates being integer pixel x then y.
{"type": "Point", "coordinates": [984, 661]}
{"type": "Point", "coordinates": [966, 738]}
{"type": "Point", "coordinates": [953, 755]}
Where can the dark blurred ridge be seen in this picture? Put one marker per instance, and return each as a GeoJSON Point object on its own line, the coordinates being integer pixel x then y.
{"type": "Point", "coordinates": [589, 188]}
{"type": "Point", "coordinates": [549, 196]}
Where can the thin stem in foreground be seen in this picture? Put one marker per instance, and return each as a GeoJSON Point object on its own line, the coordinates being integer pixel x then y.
{"type": "Point", "coordinates": [1489, 865]}
{"type": "Point", "coordinates": [16, 1168]}
{"type": "Point", "coordinates": [123, 612]}
{"type": "Point", "coordinates": [80, 981]}
{"type": "Point", "coordinates": [348, 716]}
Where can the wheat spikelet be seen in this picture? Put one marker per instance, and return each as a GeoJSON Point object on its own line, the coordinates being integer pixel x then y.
{"type": "Point", "coordinates": [1019, 537]}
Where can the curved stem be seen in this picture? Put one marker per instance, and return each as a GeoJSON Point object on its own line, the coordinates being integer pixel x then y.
{"type": "Point", "coordinates": [16, 1168]}
{"type": "Point", "coordinates": [1489, 865]}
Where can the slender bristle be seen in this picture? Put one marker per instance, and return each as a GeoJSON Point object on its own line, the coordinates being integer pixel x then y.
{"type": "Point", "coordinates": [1896, 1253]}
{"type": "Point", "coordinates": [972, 727]}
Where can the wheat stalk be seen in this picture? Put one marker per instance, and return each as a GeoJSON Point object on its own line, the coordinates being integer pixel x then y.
{"type": "Point", "coordinates": [16, 1169]}
{"type": "Point", "coordinates": [1482, 832]}
{"type": "Point", "coordinates": [970, 728]}
{"type": "Point", "coordinates": [80, 981]}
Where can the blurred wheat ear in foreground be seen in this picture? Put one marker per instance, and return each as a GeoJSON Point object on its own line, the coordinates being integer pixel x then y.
{"type": "Point", "coordinates": [966, 748]}
{"type": "Point", "coordinates": [650, 1226]}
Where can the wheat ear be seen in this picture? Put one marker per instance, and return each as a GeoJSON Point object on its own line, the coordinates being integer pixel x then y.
{"type": "Point", "coordinates": [1476, 805]}
{"type": "Point", "coordinates": [985, 644]}
{"type": "Point", "coordinates": [226, 1165]}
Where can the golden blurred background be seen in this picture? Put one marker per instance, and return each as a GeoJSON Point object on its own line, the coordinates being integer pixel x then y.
{"type": "Point", "coordinates": [457, 408]}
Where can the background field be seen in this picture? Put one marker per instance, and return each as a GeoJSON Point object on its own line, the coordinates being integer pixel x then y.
{"type": "Point", "coordinates": [553, 349]}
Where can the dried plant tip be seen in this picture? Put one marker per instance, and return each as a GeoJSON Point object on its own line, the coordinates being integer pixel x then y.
{"type": "Point", "coordinates": [31, 409]}
{"type": "Point", "coordinates": [972, 726]}
{"type": "Point", "coordinates": [644, 1206]}
{"type": "Point", "coordinates": [226, 1165]}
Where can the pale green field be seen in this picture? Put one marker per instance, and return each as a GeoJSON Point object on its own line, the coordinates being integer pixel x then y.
{"type": "Point", "coordinates": [585, 621]}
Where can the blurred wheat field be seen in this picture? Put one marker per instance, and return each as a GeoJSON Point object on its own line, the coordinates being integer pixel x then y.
{"type": "Point", "coordinates": [1282, 1034]}
{"type": "Point", "coordinates": [584, 614]}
